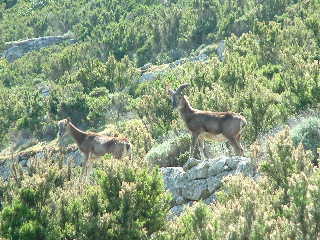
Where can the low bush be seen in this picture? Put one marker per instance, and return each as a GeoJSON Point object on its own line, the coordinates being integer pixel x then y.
{"type": "Point", "coordinates": [127, 203]}
{"type": "Point", "coordinates": [118, 201]}
{"type": "Point", "coordinates": [172, 152]}
{"type": "Point", "coordinates": [27, 216]}
{"type": "Point", "coordinates": [307, 133]}
{"type": "Point", "coordinates": [138, 135]}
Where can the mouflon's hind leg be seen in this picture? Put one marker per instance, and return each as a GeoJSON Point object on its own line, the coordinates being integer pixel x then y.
{"type": "Point", "coordinates": [236, 146]}
{"type": "Point", "coordinates": [193, 144]}
{"type": "Point", "coordinates": [202, 149]}
{"type": "Point", "coordinates": [86, 159]}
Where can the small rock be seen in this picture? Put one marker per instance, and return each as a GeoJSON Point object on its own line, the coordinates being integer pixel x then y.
{"type": "Point", "coordinates": [217, 166]}
{"type": "Point", "coordinates": [146, 66]}
{"type": "Point", "coordinates": [233, 162]}
{"type": "Point", "coordinates": [195, 190]}
{"type": "Point", "coordinates": [191, 163]}
{"type": "Point", "coordinates": [75, 157]}
{"type": "Point", "coordinates": [176, 211]}
{"type": "Point", "coordinates": [199, 171]}
{"type": "Point", "coordinates": [179, 199]}
{"type": "Point", "coordinates": [5, 171]}
{"type": "Point", "coordinates": [211, 199]}
{"type": "Point", "coordinates": [246, 168]}
{"type": "Point", "coordinates": [24, 163]}
{"type": "Point", "coordinates": [148, 76]}
{"type": "Point", "coordinates": [173, 178]}
{"type": "Point", "coordinates": [215, 182]}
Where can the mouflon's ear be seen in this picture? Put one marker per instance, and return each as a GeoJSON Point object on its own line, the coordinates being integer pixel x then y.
{"type": "Point", "coordinates": [68, 119]}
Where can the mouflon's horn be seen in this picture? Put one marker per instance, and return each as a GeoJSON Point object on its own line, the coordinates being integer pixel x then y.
{"type": "Point", "coordinates": [182, 87]}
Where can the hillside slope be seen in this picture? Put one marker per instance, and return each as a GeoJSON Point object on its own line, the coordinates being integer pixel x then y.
{"type": "Point", "coordinates": [257, 58]}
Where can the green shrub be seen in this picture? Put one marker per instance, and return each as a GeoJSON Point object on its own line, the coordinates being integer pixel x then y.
{"type": "Point", "coordinates": [20, 222]}
{"type": "Point", "coordinates": [31, 230]}
{"type": "Point", "coordinates": [69, 101]}
{"type": "Point", "coordinates": [195, 223]}
{"type": "Point", "coordinates": [127, 203]}
{"type": "Point", "coordinates": [136, 196]}
{"type": "Point", "coordinates": [119, 201]}
{"type": "Point", "coordinates": [171, 153]}
{"type": "Point", "coordinates": [284, 160]}
{"type": "Point", "coordinates": [154, 109]}
{"type": "Point", "coordinates": [97, 109]}
{"type": "Point", "coordinates": [307, 133]}
{"type": "Point", "coordinates": [27, 217]}
{"type": "Point", "coordinates": [138, 135]}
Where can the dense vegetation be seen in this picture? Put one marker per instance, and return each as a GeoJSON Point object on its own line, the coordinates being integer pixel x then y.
{"type": "Point", "coordinates": [59, 204]}
{"type": "Point", "coordinates": [270, 72]}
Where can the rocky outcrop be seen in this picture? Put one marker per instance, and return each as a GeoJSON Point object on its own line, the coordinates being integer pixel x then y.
{"type": "Point", "coordinates": [17, 49]}
{"type": "Point", "coordinates": [199, 180]}
{"type": "Point", "coordinates": [150, 72]}
{"type": "Point", "coordinates": [24, 158]}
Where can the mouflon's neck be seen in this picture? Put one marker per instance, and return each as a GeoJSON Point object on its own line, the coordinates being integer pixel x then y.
{"type": "Point", "coordinates": [185, 107]}
{"type": "Point", "coordinates": [76, 133]}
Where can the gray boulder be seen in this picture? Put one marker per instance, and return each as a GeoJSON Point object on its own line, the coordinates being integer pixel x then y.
{"type": "Point", "coordinates": [246, 168]}
{"type": "Point", "coordinates": [177, 210]}
{"type": "Point", "coordinates": [151, 75]}
{"type": "Point", "coordinates": [199, 180]}
{"type": "Point", "coordinates": [211, 199]}
{"type": "Point", "coordinates": [70, 154]}
{"type": "Point", "coordinates": [233, 162]}
{"type": "Point", "coordinates": [214, 182]}
{"type": "Point", "coordinates": [146, 67]}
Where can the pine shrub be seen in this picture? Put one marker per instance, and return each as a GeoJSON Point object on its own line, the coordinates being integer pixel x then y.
{"type": "Point", "coordinates": [307, 133]}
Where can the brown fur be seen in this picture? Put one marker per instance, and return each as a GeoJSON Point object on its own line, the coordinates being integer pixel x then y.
{"type": "Point", "coordinates": [93, 143]}
{"type": "Point", "coordinates": [218, 125]}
